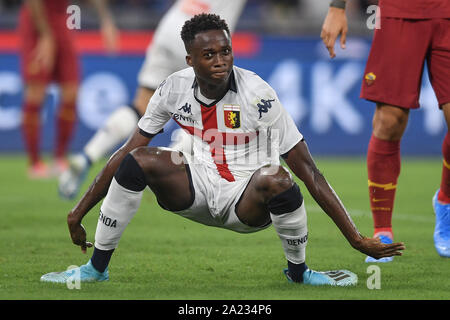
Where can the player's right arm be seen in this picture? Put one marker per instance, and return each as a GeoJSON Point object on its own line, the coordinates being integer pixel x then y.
{"type": "Point", "coordinates": [154, 119]}
{"type": "Point", "coordinates": [99, 188]}
{"type": "Point", "coordinates": [335, 24]}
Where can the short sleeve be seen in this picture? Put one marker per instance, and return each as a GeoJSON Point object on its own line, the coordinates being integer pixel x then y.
{"type": "Point", "coordinates": [287, 132]}
{"type": "Point", "coordinates": [273, 116]}
{"type": "Point", "coordinates": [157, 114]}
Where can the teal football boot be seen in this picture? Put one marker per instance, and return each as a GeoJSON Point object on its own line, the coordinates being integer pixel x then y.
{"type": "Point", "coordinates": [341, 278]}
{"type": "Point", "coordinates": [85, 273]}
{"type": "Point", "coordinates": [442, 227]}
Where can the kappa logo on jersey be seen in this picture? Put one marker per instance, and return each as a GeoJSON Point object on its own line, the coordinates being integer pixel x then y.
{"type": "Point", "coordinates": [232, 116]}
{"type": "Point", "coordinates": [370, 78]}
{"type": "Point", "coordinates": [264, 106]}
{"type": "Point", "coordinates": [186, 108]}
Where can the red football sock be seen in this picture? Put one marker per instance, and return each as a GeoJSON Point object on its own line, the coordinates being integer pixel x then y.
{"type": "Point", "coordinates": [31, 130]}
{"type": "Point", "coordinates": [65, 125]}
{"type": "Point", "coordinates": [383, 166]}
{"type": "Point", "coordinates": [444, 192]}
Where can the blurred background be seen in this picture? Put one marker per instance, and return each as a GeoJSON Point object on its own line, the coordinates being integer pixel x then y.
{"type": "Point", "coordinates": [278, 39]}
{"type": "Point", "coordinates": [287, 17]}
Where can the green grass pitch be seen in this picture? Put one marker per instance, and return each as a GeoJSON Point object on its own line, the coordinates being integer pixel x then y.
{"type": "Point", "coordinates": [163, 256]}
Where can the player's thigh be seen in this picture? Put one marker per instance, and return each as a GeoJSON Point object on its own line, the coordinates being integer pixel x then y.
{"type": "Point", "coordinates": [167, 175]}
{"type": "Point", "coordinates": [389, 122]}
{"type": "Point", "coordinates": [67, 67]}
{"type": "Point", "coordinates": [394, 68]}
{"type": "Point", "coordinates": [438, 61]}
{"type": "Point", "coordinates": [267, 182]}
{"type": "Point", "coordinates": [141, 99]}
{"type": "Point", "coordinates": [446, 110]}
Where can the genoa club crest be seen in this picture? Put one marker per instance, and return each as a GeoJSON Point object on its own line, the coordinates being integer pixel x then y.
{"type": "Point", "coordinates": [232, 116]}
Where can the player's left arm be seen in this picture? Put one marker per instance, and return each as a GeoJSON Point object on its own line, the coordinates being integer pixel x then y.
{"type": "Point", "coordinates": [301, 163]}
{"type": "Point", "coordinates": [108, 27]}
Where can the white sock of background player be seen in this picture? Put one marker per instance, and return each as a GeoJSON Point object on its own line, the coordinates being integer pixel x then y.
{"type": "Point", "coordinates": [118, 127]}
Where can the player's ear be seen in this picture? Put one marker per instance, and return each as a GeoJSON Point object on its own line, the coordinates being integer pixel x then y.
{"type": "Point", "coordinates": [189, 60]}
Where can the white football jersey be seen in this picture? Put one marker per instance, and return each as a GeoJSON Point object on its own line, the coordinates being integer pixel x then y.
{"type": "Point", "coordinates": [235, 135]}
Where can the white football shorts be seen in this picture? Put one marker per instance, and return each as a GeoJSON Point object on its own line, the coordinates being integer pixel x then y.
{"type": "Point", "coordinates": [216, 199]}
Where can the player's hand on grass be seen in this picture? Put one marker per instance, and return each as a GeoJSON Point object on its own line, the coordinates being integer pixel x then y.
{"type": "Point", "coordinates": [335, 24]}
{"type": "Point", "coordinates": [373, 247]}
{"type": "Point", "coordinates": [78, 234]}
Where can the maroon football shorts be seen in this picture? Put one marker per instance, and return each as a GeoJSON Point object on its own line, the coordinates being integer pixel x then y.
{"type": "Point", "coordinates": [66, 65]}
{"type": "Point", "coordinates": [400, 48]}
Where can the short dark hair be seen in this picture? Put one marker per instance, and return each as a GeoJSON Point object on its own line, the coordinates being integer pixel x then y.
{"type": "Point", "coordinates": [200, 23]}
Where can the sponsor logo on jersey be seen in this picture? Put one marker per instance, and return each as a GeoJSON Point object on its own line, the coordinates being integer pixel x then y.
{"type": "Point", "coordinates": [232, 116]}
{"type": "Point", "coordinates": [264, 106]}
{"type": "Point", "coordinates": [370, 78]}
{"type": "Point", "coordinates": [179, 117]}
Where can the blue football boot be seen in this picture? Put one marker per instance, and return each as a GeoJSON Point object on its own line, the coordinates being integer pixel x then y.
{"type": "Point", "coordinates": [340, 278]}
{"type": "Point", "coordinates": [85, 273]}
{"type": "Point", "coordinates": [386, 240]}
{"type": "Point", "coordinates": [442, 227]}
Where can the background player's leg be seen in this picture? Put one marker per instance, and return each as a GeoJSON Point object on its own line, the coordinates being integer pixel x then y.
{"type": "Point", "coordinates": [444, 191]}
{"type": "Point", "coordinates": [272, 195]}
{"type": "Point", "coordinates": [65, 124]}
{"type": "Point", "coordinates": [118, 127]}
{"type": "Point", "coordinates": [31, 127]}
{"type": "Point", "coordinates": [383, 164]}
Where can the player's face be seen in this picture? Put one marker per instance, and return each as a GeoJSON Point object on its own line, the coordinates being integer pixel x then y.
{"type": "Point", "coordinates": [211, 56]}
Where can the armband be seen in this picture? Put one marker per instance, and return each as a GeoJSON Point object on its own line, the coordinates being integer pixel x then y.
{"type": "Point", "coordinates": [338, 4]}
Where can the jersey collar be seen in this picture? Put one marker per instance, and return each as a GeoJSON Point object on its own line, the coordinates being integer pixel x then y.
{"type": "Point", "coordinates": [231, 86]}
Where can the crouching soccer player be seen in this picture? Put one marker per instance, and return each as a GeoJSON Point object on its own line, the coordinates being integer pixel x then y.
{"type": "Point", "coordinates": [232, 115]}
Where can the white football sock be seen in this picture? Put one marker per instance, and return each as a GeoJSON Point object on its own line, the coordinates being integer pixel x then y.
{"type": "Point", "coordinates": [117, 210]}
{"type": "Point", "coordinates": [118, 127]}
{"type": "Point", "coordinates": [293, 232]}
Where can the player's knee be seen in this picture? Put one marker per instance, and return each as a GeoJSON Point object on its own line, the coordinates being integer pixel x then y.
{"type": "Point", "coordinates": [389, 123]}
{"type": "Point", "coordinates": [69, 93]}
{"type": "Point", "coordinates": [272, 180]}
{"type": "Point", "coordinates": [153, 161]}
{"type": "Point", "coordinates": [130, 174]}
{"type": "Point", "coordinates": [35, 93]}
